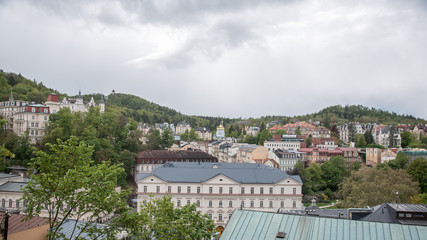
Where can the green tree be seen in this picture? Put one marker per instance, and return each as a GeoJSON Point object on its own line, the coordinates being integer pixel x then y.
{"type": "Point", "coordinates": [418, 170]}
{"type": "Point", "coordinates": [298, 131]}
{"type": "Point", "coordinates": [264, 135]}
{"type": "Point", "coordinates": [407, 138]}
{"type": "Point", "coordinates": [159, 219]}
{"type": "Point", "coordinates": [360, 141]}
{"type": "Point", "coordinates": [280, 132]}
{"type": "Point", "coordinates": [351, 131]}
{"type": "Point", "coordinates": [167, 138]}
{"type": "Point", "coordinates": [333, 172]}
{"type": "Point", "coordinates": [370, 187]}
{"type": "Point", "coordinates": [308, 141]}
{"type": "Point", "coordinates": [192, 135]}
{"type": "Point", "coordinates": [368, 137]}
{"type": "Point", "coordinates": [313, 177]}
{"type": "Point", "coordinates": [68, 185]}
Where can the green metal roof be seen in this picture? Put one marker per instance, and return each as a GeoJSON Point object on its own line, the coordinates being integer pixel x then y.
{"type": "Point", "coordinates": [247, 225]}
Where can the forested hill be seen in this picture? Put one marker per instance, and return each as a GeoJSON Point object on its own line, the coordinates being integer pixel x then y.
{"type": "Point", "coordinates": [145, 111]}
{"type": "Point", "coordinates": [148, 112]}
{"type": "Point", "coordinates": [357, 113]}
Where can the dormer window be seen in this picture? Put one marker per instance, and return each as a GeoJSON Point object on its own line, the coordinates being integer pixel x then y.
{"type": "Point", "coordinates": [33, 109]}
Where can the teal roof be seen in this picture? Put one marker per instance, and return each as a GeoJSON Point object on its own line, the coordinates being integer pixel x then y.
{"type": "Point", "coordinates": [246, 224]}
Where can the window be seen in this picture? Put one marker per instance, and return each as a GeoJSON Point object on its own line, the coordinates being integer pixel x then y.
{"type": "Point", "coordinates": [33, 110]}
{"type": "Point", "coordinates": [210, 189]}
{"type": "Point", "coordinates": [282, 190]}
{"type": "Point", "coordinates": [271, 190]}
{"type": "Point", "coordinates": [169, 189]}
{"type": "Point", "coordinates": [17, 203]}
{"type": "Point", "coordinates": [198, 189]}
{"type": "Point", "coordinates": [242, 190]}
{"type": "Point", "coordinates": [294, 204]}
{"type": "Point", "coordinates": [33, 117]}
{"type": "Point", "coordinates": [188, 202]}
{"type": "Point", "coordinates": [242, 204]}
{"type": "Point", "coordinates": [252, 203]}
{"type": "Point", "coordinates": [3, 203]}
{"type": "Point", "coordinates": [220, 189]}
{"type": "Point", "coordinates": [32, 124]}
{"type": "Point", "coordinates": [145, 188]}
{"type": "Point", "coordinates": [229, 215]}
{"type": "Point", "coordinates": [37, 125]}
{"type": "Point", "coordinates": [261, 204]}
{"type": "Point", "coordinates": [252, 190]}
{"type": "Point", "coordinates": [198, 203]}
{"type": "Point", "coordinates": [179, 189]}
{"type": "Point", "coordinates": [294, 190]}
{"type": "Point", "coordinates": [261, 190]}
{"type": "Point", "coordinates": [45, 118]}
{"type": "Point", "coordinates": [210, 215]}
{"type": "Point", "coordinates": [220, 203]}
{"type": "Point", "coordinates": [230, 204]}
{"type": "Point", "coordinates": [271, 204]}
{"type": "Point", "coordinates": [230, 190]}
{"type": "Point", "coordinates": [210, 203]}
{"type": "Point", "coordinates": [178, 203]}
{"type": "Point", "coordinates": [220, 217]}
{"type": "Point", "coordinates": [282, 204]}
{"type": "Point", "coordinates": [157, 189]}
{"type": "Point", "coordinates": [10, 203]}
{"type": "Point", "coordinates": [188, 189]}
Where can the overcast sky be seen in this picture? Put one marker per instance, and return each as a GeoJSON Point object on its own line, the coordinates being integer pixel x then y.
{"type": "Point", "coordinates": [230, 58]}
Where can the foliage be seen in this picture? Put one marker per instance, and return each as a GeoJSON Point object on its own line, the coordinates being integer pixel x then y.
{"type": "Point", "coordinates": [264, 135]}
{"type": "Point", "coordinates": [68, 185]}
{"type": "Point", "coordinates": [308, 141]}
{"type": "Point", "coordinates": [419, 199]}
{"type": "Point", "coordinates": [280, 132]}
{"type": "Point", "coordinates": [374, 145]}
{"type": "Point", "coordinates": [400, 162]}
{"type": "Point", "coordinates": [313, 179]}
{"type": "Point", "coordinates": [333, 172]}
{"type": "Point", "coordinates": [418, 171]}
{"type": "Point", "coordinates": [369, 139]}
{"type": "Point", "coordinates": [360, 141]}
{"type": "Point", "coordinates": [370, 186]}
{"type": "Point", "coordinates": [159, 142]}
{"type": "Point", "coordinates": [158, 219]}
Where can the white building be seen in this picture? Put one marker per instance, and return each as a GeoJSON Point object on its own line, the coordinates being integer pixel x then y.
{"type": "Point", "coordinates": [219, 188]}
{"type": "Point", "coordinates": [287, 159]}
{"type": "Point", "coordinates": [75, 105]}
{"type": "Point", "coordinates": [32, 119]}
{"type": "Point", "coordinates": [288, 142]}
{"type": "Point", "coordinates": [182, 127]}
{"type": "Point", "coordinates": [9, 108]}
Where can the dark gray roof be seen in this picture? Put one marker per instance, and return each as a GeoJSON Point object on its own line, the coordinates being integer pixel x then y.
{"type": "Point", "coordinates": [387, 213]}
{"type": "Point", "coordinates": [13, 186]}
{"type": "Point", "coordinates": [5, 175]}
{"type": "Point", "coordinates": [201, 172]}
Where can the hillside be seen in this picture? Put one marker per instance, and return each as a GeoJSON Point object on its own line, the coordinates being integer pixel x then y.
{"type": "Point", "coordinates": [145, 111]}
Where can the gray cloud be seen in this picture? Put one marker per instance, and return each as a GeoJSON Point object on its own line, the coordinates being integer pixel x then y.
{"type": "Point", "coordinates": [225, 58]}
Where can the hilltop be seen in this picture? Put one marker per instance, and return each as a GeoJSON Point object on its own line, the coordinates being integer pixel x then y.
{"type": "Point", "coordinates": [142, 110]}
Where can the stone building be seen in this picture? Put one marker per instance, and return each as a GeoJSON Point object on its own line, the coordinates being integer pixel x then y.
{"type": "Point", "coordinates": [220, 188]}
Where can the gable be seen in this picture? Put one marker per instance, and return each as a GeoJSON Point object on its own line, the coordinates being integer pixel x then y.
{"type": "Point", "coordinates": [150, 179]}
{"type": "Point", "coordinates": [220, 179]}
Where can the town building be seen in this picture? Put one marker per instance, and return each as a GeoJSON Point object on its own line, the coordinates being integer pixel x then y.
{"type": "Point", "coordinates": [203, 133]}
{"type": "Point", "coordinates": [288, 142]}
{"type": "Point", "coordinates": [324, 143]}
{"type": "Point", "coordinates": [74, 104]}
{"type": "Point", "coordinates": [252, 130]}
{"type": "Point", "coordinates": [220, 188]}
{"type": "Point", "coordinates": [147, 161]}
{"type": "Point", "coordinates": [268, 162]}
{"type": "Point", "coordinates": [320, 156]}
{"type": "Point", "coordinates": [9, 108]}
{"type": "Point", "coordinates": [249, 152]}
{"type": "Point", "coordinates": [220, 132]}
{"type": "Point", "coordinates": [420, 130]}
{"type": "Point", "coordinates": [32, 119]}
{"type": "Point", "coordinates": [345, 131]}
{"type": "Point", "coordinates": [381, 135]}
{"type": "Point", "coordinates": [182, 127]}
{"type": "Point", "coordinates": [287, 159]}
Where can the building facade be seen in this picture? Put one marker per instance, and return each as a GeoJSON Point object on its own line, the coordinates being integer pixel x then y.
{"type": "Point", "coordinates": [32, 119]}
{"type": "Point", "coordinates": [220, 188]}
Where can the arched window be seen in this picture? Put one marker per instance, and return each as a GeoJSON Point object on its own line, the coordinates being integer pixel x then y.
{"type": "Point", "coordinates": [10, 203]}
{"type": "Point", "coordinates": [210, 203]}
{"type": "Point", "coordinates": [220, 217]}
{"type": "Point", "coordinates": [220, 203]}
{"type": "Point", "coordinates": [3, 203]}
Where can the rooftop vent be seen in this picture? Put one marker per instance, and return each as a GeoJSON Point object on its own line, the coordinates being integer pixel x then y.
{"type": "Point", "coordinates": [281, 235]}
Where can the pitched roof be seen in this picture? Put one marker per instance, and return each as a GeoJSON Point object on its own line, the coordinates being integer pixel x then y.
{"type": "Point", "coordinates": [13, 186]}
{"type": "Point", "coordinates": [246, 224]}
{"type": "Point", "coordinates": [388, 213]}
{"type": "Point", "coordinates": [201, 172]}
{"type": "Point", "coordinates": [67, 228]}
{"type": "Point", "coordinates": [174, 155]}
{"type": "Point", "coordinates": [16, 223]}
